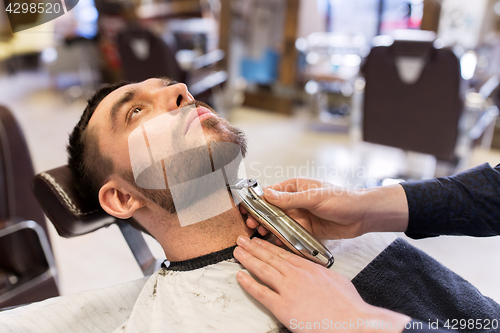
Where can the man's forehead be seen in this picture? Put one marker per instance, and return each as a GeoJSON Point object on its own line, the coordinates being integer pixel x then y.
{"type": "Point", "coordinates": [115, 94]}
{"type": "Point", "coordinates": [104, 107]}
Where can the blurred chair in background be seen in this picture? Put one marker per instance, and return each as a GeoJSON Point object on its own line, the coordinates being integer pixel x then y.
{"type": "Point", "coordinates": [27, 268]}
{"type": "Point", "coordinates": [144, 55]}
{"type": "Point", "coordinates": [331, 63]}
{"type": "Point", "coordinates": [413, 100]}
{"type": "Point", "coordinates": [74, 67]}
{"type": "Point", "coordinates": [74, 62]}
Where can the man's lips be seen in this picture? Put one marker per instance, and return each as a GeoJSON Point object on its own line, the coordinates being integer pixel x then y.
{"type": "Point", "coordinates": [201, 113]}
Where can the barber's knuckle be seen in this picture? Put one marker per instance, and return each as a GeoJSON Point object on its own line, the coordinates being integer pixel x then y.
{"type": "Point", "coordinates": [272, 260]}
{"type": "Point", "coordinates": [288, 187]}
{"type": "Point", "coordinates": [303, 186]}
{"type": "Point", "coordinates": [267, 270]}
{"type": "Point", "coordinates": [250, 247]}
{"type": "Point", "coordinates": [277, 187]}
{"type": "Point", "coordinates": [289, 198]}
{"type": "Point", "coordinates": [311, 271]}
{"type": "Point", "coordinates": [284, 254]}
{"type": "Point", "coordinates": [260, 292]}
{"type": "Point", "coordinates": [241, 255]}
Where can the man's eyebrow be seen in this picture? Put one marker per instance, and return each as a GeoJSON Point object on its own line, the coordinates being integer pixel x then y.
{"type": "Point", "coordinates": [128, 96]}
{"type": "Point", "coordinates": [167, 81]}
{"type": "Point", "coordinates": [124, 99]}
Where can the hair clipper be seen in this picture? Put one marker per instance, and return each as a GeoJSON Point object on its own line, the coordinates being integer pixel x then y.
{"type": "Point", "coordinates": [286, 229]}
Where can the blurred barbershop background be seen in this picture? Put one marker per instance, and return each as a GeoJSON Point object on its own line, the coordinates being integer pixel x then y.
{"type": "Point", "coordinates": [360, 93]}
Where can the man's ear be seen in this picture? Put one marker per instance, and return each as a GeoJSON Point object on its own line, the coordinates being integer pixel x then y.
{"type": "Point", "coordinates": [117, 201]}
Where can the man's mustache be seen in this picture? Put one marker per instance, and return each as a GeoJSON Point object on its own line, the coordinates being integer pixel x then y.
{"type": "Point", "coordinates": [200, 103]}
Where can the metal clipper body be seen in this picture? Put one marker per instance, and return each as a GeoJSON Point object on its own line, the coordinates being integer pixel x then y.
{"type": "Point", "coordinates": [286, 229]}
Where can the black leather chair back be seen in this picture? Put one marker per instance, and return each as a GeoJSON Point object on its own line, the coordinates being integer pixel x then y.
{"type": "Point", "coordinates": [422, 116]}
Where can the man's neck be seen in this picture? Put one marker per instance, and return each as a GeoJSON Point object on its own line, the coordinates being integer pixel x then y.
{"type": "Point", "coordinates": [214, 234]}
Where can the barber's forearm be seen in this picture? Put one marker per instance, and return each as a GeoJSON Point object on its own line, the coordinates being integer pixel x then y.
{"type": "Point", "coordinates": [385, 209]}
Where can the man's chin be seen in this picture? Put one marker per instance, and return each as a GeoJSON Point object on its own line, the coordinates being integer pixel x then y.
{"type": "Point", "coordinates": [216, 129]}
{"type": "Point", "coordinates": [211, 135]}
{"type": "Point", "coordinates": [211, 122]}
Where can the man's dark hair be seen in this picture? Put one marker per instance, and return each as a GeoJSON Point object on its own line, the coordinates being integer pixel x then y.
{"type": "Point", "coordinates": [90, 168]}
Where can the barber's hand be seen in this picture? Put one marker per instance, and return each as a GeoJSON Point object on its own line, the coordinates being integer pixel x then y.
{"type": "Point", "coordinates": [301, 291]}
{"type": "Point", "coordinates": [333, 212]}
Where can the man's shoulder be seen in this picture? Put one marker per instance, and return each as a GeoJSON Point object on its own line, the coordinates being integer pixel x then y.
{"type": "Point", "coordinates": [99, 309]}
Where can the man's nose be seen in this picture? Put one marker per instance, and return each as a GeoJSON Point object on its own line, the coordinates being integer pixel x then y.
{"type": "Point", "coordinates": [176, 96]}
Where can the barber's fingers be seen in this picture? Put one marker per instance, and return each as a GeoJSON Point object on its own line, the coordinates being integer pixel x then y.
{"type": "Point", "coordinates": [280, 259]}
{"type": "Point", "coordinates": [296, 185]}
{"type": "Point", "coordinates": [243, 210]}
{"type": "Point", "coordinates": [279, 250]}
{"type": "Point", "coordinates": [263, 231]}
{"type": "Point", "coordinates": [253, 224]}
{"type": "Point", "coordinates": [262, 261]}
{"type": "Point", "coordinates": [290, 200]}
{"type": "Point", "coordinates": [264, 271]}
{"type": "Point", "coordinates": [263, 294]}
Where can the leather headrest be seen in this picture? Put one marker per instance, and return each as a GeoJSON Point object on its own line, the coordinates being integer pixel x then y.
{"type": "Point", "coordinates": [412, 48]}
{"type": "Point", "coordinates": [70, 213]}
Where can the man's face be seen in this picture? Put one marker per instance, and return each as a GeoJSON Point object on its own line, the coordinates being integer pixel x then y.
{"type": "Point", "coordinates": [130, 107]}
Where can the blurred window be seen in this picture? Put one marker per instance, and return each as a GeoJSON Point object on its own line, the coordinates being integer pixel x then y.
{"type": "Point", "coordinates": [367, 17]}
{"type": "Point", "coordinates": [86, 18]}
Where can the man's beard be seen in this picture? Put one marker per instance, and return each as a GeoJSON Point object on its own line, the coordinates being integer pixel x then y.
{"type": "Point", "coordinates": [226, 147]}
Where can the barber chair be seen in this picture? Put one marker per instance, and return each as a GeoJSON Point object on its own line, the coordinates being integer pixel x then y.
{"type": "Point", "coordinates": [73, 216]}
{"type": "Point", "coordinates": [413, 101]}
{"type": "Point", "coordinates": [144, 55]}
{"type": "Point", "coordinates": [27, 268]}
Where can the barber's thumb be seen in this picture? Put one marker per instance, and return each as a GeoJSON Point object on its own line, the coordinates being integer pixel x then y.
{"type": "Point", "coordinates": [285, 200]}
